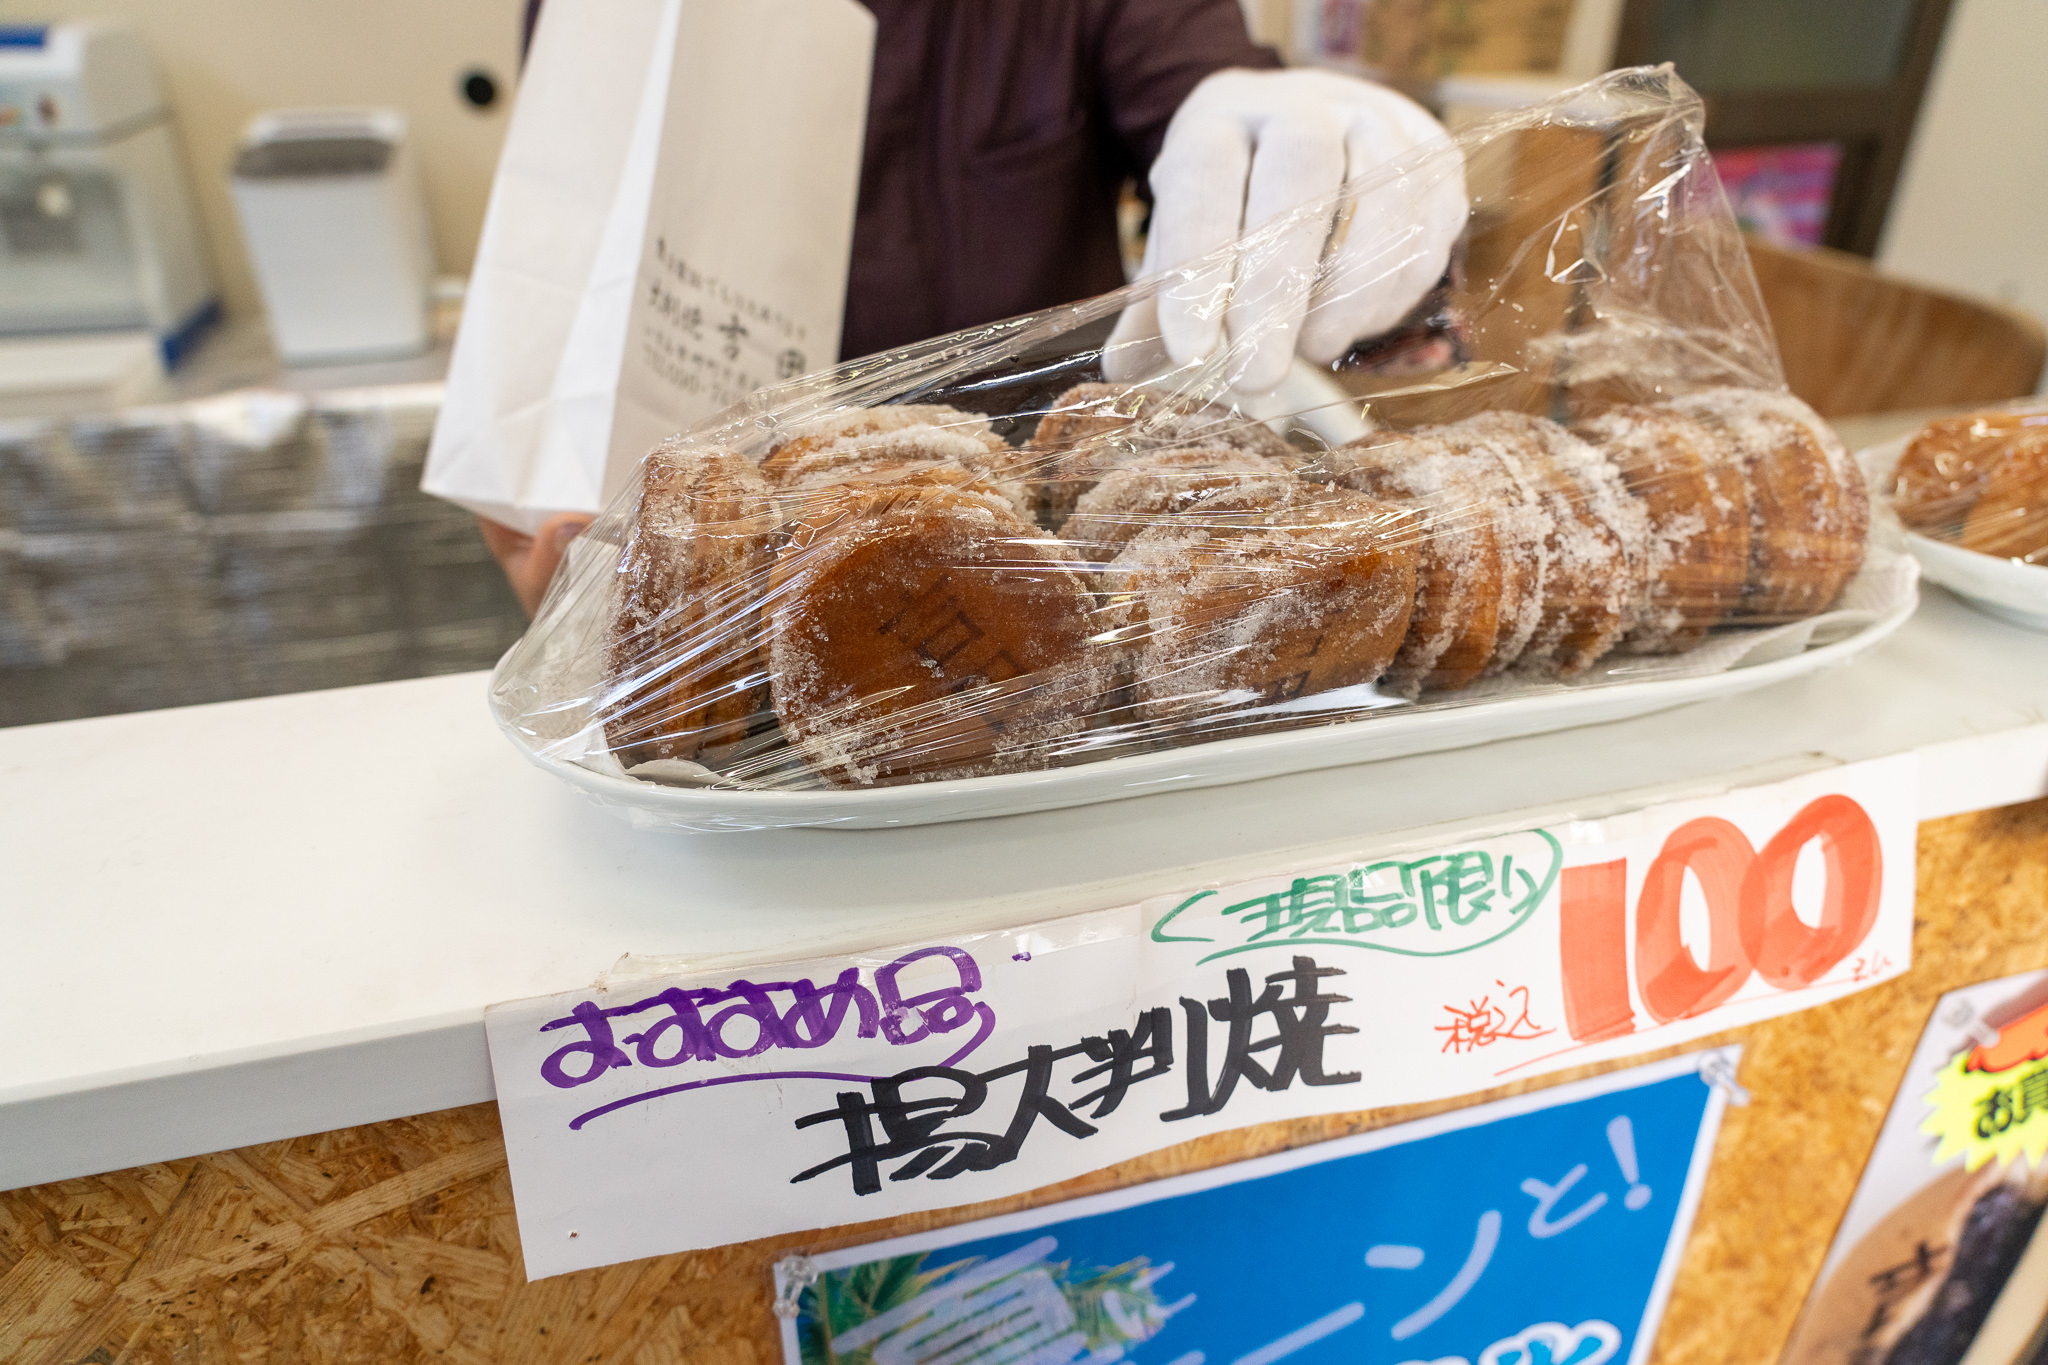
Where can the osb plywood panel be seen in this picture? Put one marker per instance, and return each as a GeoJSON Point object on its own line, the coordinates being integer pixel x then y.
{"type": "Point", "coordinates": [395, 1242]}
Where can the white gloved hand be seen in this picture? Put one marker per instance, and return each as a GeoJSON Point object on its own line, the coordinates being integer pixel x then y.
{"type": "Point", "coordinates": [1247, 147]}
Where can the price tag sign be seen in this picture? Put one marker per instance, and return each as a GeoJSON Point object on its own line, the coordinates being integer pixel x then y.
{"type": "Point", "coordinates": [1542, 1230]}
{"type": "Point", "coordinates": [664, 1114]}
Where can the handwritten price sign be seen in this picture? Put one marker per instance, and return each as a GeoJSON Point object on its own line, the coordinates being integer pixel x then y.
{"type": "Point", "coordinates": [666, 1114]}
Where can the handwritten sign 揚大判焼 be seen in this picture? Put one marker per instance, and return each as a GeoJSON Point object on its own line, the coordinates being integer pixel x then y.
{"type": "Point", "coordinates": [667, 1113]}
{"type": "Point", "coordinates": [1544, 1228]}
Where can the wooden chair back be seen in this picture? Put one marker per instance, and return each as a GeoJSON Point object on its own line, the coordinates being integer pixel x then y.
{"type": "Point", "coordinates": [1855, 340]}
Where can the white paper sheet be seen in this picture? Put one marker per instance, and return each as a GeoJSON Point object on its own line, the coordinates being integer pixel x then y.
{"type": "Point", "coordinates": [750, 229]}
{"type": "Point", "coordinates": [667, 1113]}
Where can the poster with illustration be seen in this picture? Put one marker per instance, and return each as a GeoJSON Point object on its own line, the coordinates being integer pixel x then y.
{"type": "Point", "coordinates": [1942, 1258]}
{"type": "Point", "coordinates": [1540, 1230]}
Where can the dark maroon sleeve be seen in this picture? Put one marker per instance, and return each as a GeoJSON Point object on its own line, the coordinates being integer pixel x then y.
{"type": "Point", "coordinates": [1153, 52]}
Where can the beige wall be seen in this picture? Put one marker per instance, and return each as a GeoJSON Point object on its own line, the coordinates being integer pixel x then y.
{"type": "Point", "coordinates": [1971, 209]}
{"type": "Point", "coordinates": [224, 60]}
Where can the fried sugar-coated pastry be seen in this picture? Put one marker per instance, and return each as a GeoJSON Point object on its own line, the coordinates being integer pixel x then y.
{"type": "Point", "coordinates": [1461, 594]}
{"type": "Point", "coordinates": [1596, 546]}
{"type": "Point", "coordinates": [1809, 512]}
{"type": "Point", "coordinates": [1151, 487]}
{"type": "Point", "coordinates": [1522, 528]}
{"type": "Point", "coordinates": [2010, 518]}
{"type": "Point", "coordinates": [812, 462]}
{"type": "Point", "coordinates": [920, 631]}
{"type": "Point", "coordinates": [1697, 510]}
{"type": "Point", "coordinates": [826, 493]}
{"type": "Point", "coordinates": [682, 659]}
{"type": "Point", "coordinates": [1473, 473]}
{"type": "Point", "coordinates": [1092, 428]}
{"type": "Point", "coordinates": [1947, 463]}
{"type": "Point", "coordinates": [1260, 595]}
{"type": "Point", "coordinates": [817, 434]}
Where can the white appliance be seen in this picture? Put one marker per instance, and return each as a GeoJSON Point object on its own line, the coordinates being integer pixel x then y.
{"type": "Point", "coordinates": [97, 231]}
{"type": "Point", "coordinates": [337, 233]}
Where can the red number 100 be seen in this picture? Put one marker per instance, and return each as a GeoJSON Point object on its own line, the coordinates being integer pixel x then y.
{"type": "Point", "coordinates": [1752, 925]}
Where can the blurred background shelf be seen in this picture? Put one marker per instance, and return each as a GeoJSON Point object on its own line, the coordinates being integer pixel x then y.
{"type": "Point", "coordinates": [255, 542]}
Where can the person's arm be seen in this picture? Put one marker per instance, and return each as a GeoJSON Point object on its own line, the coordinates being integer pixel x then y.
{"type": "Point", "coordinates": [530, 561]}
{"type": "Point", "coordinates": [1150, 56]}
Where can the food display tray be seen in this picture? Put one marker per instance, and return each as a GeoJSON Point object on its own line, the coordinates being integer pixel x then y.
{"type": "Point", "coordinates": [1884, 597]}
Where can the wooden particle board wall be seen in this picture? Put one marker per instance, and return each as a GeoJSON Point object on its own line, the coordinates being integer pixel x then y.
{"type": "Point", "coordinates": [396, 1242]}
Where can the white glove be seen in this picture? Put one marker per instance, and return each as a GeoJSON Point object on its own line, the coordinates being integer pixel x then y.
{"type": "Point", "coordinates": [1247, 147]}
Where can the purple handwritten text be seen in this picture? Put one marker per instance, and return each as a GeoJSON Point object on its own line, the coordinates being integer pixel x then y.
{"type": "Point", "coordinates": [747, 1018]}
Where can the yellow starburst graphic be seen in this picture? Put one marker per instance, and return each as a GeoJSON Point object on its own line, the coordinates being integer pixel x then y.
{"type": "Point", "coordinates": [1989, 1114]}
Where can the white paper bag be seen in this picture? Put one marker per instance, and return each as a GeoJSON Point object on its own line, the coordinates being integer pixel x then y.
{"type": "Point", "coordinates": [664, 156]}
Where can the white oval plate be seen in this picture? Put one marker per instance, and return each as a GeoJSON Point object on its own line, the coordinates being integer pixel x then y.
{"type": "Point", "coordinates": [2006, 588]}
{"type": "Point", "coordinates": [1885, 596]}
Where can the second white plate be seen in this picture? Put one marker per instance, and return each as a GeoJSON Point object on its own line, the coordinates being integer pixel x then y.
{"type": "Point", "coordinates": [2006, 588]}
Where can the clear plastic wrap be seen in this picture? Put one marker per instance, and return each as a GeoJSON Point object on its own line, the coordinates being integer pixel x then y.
{"type": "Point", "coordinates": [1972, 493]}
{"type": "Point", "coordinates": [1571, 465]}
{"type": "Point", "coordinates": [1979, 480]}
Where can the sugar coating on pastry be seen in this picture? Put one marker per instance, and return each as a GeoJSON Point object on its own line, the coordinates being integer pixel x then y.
{"type": "Point", "coordinates": [1261, 594]}
{"type": "Point", "coordinates": [1152, 487]}
{"type": "Point", "coordinates": [814, 433]}
{"type": "Point", "coordinates": [1098, 414]}
{"type": "Point", "coordinates": [2009, 519]}
{"type": "Point", "coordinates": [682, 668]}
{"type": "Point", "coordinates": [1481, 456]}
{"type": "Point", "coordinates": [1092, 428]}
{"type": "Point", "coordinates": [1600, 491]}
{"type": "Point", "coordinates": [1460, 592]}
{"type": "Point", "coordinates": [824, 489]}
{"type": "Point", "coordinates": [919, 631]}
{"type": "Point", "coordinates": [1596, 546]}
{"type": "Point", "coordinates": [1808, 507]}
{"type": "Point", "coordinates": [815, 462]}
{"type": "Point", "coordinates": [1696, 505]}
{"type": "Point", "coordinates": [1946, 464]}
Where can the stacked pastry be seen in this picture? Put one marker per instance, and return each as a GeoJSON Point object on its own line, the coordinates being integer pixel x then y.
{"type": "Point", "coordinates": [1261, 593]}
{"type": "Point", "coordinates": [1980, 481]}
{"type": "Point", "coordinates": [907, 619]}
{"type": "Point", "coordinates": [1542, 549]}
{"type": "Point", "coordinates": [1643, 528]}
{"type": "Point", "coordinates": [884, 592]}
{"type": "Point", "coordinates": [1092, 430]}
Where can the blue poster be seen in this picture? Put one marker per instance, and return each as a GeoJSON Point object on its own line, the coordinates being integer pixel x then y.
{"type": "Point", "coordinates": [1541, 1230]}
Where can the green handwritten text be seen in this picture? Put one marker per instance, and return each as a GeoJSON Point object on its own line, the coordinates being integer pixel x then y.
{"type": "Point", "coordinates": [1434, 906]}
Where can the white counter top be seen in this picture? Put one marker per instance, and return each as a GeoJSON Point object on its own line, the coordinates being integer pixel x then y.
{"type": "Point", "coordinates": [228, 924]}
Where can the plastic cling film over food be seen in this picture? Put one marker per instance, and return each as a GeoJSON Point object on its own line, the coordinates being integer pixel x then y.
{"type": "Point", "coordinates": [1979, 480]}
{"type": "Point", "coordinates": [1025, 547]}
